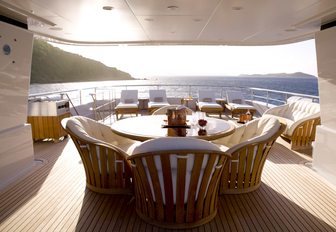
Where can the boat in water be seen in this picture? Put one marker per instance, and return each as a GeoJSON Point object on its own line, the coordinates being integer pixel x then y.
{"type": "Point", "coordinates": [43, 184]}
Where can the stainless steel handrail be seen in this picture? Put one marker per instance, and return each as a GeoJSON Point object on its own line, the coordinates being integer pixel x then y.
{"type": "Point", "coordinates": [264, 95]}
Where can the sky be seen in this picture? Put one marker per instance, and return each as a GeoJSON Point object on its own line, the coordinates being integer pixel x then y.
{"type": "Point", "coordinates": [156, 61]}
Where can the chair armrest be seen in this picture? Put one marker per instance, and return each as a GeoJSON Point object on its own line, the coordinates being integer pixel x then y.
{"type": "Point", "coordinates": [312, 121]}
{"type": "Point", "coordinates": [297, 124]}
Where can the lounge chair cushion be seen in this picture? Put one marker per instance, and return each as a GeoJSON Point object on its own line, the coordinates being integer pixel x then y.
{"type": "Point", "coordinates": [127, 106]}
{"type": "Point", "coordinates": [209, 105]}
{"type": "Point", "coordinates": [207, 99]}
{"type": "Point", "coordinates": [235, 106]}
{"type": "Point", "coordinates": [237, 101]}
{"type": "Point", "coordinates": [128, 101]}
{"type": "Point", "coordinates": [158, 99]}
{"type": "Point", "coordinates": [156, 94]}
{"type": "Point", "coordinates": [157, 104]}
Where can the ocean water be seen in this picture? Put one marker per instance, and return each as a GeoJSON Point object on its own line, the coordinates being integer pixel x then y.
{"type": "Point", "coordinates": [288, 84]}
{"type": "Point", "coordinates": [185, 86]}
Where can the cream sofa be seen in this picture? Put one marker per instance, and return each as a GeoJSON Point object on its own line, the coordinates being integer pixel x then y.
{"type": "Point", "coordinates": [301, 117]}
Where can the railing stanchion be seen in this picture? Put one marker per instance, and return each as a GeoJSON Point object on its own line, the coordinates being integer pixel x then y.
{"type": "Point", "coordinates": [73, 106]}
{"type": "Point", "coordinates": [80, 97]}
{"type": "Point", "coordinates": [267, 98]}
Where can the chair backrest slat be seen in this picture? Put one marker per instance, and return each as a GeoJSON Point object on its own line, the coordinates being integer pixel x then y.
{"type": "Point", "coordinates": [168, 183]}
{"type": "Point", "coordinates": [256, 163]}
{"type": "Point", "coordinates": [210, 199]}
{"type": "Point", "coordinates": [203, 190]}
{"type": "Point", "coordinates": [111, 167]}
{"type": "Point", "coordinates": [180, 188]}
{"type": "Point", "coordinates": [103, 167]}
{"type": "Point", "coordinates": [194, 179]}
{"type": "Point", "coordinates": [155, 185]}
{"type": "Point", "coordinates": [94, 162]}
{"type": "Point", "coordinates": [241, 167]}
{"type": "Point", "coordinates": [187, 181]}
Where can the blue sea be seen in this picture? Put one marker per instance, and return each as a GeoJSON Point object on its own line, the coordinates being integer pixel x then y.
{"type": "Point", "coordinates": [300, 85]}
{"type": "Point", "coordinates": [185, 86]}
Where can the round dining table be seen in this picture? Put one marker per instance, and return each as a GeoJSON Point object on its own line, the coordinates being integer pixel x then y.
{"type": "Point", "coordinates": [143, 128]}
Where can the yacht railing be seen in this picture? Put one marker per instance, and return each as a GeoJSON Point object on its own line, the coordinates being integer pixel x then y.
{"type": "Point", "coordinates": [276, 97]}
{"type": "Point", "coordinates": [98, 102]}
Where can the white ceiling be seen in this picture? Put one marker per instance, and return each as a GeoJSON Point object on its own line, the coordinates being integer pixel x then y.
{"type": "Point", "coordinates": [231, 22]}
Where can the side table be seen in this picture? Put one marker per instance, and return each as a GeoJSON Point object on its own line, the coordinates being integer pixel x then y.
{"type": "Point", "coordinates": [185, 101]}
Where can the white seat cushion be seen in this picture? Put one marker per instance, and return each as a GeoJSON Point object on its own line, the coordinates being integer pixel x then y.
{"type": "Point", "coordinates": [172, 143]}
{"type": "Point", "coordinates": [211, 105]}
{"type": "Point", "coordinates": [235, 106]}
{"type": "Point", "coordinates": [157, 104]}
{"type": "Point", "coordinates": [127, 105]}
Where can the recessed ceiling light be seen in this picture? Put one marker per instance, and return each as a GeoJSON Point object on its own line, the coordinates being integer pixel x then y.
{"type": "Point", "coordinates": [237, 8]}
{"type": "Point", "coordinates": [149, 19]}
{"type": "Point", "coordinates": [172, 7]}
{"type": "Point", "coordinates": [107, 7]}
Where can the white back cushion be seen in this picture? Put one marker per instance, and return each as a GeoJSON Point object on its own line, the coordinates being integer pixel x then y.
{"type": "Point", "coordinates": [129, 96]}
{"type": "Point", "coordinates": [231, 96]}
{"type": "Point", "coordinates": [206, 96]}
{"type": "Point", "coordinates": [157, 93]}
{"type": "Point", "coordinates": [90, 130]}
{"type": "Point", "coordinates": [256, 130]}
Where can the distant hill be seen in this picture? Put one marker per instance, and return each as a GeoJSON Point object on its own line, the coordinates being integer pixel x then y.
{"type": "Point", "coordinates": [295, 75]}
{"type": "Point", "coordinates": [53, 65]}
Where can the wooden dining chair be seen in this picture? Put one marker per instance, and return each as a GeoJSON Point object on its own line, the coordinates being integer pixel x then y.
{"type": "Point", "coordinates": [106, 167]}
{"type": "Point", "coordinates": [176, 181]}
{"type": "Point", "coordinates": [248, 147]}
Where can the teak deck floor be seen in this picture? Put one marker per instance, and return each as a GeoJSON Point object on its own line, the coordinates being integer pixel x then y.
{"type": "Point", "coordinates": [53, 197]}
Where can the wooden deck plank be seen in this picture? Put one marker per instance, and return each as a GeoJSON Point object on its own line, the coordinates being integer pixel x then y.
{"type": "Point", "coordinates": [311, 197]}
{"type": "Point", "coordinates": [263, 219]}
{"type": "Point", "coordinates": [300, 216]}
{"type": "Point", "coordinates": [52, 197]}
